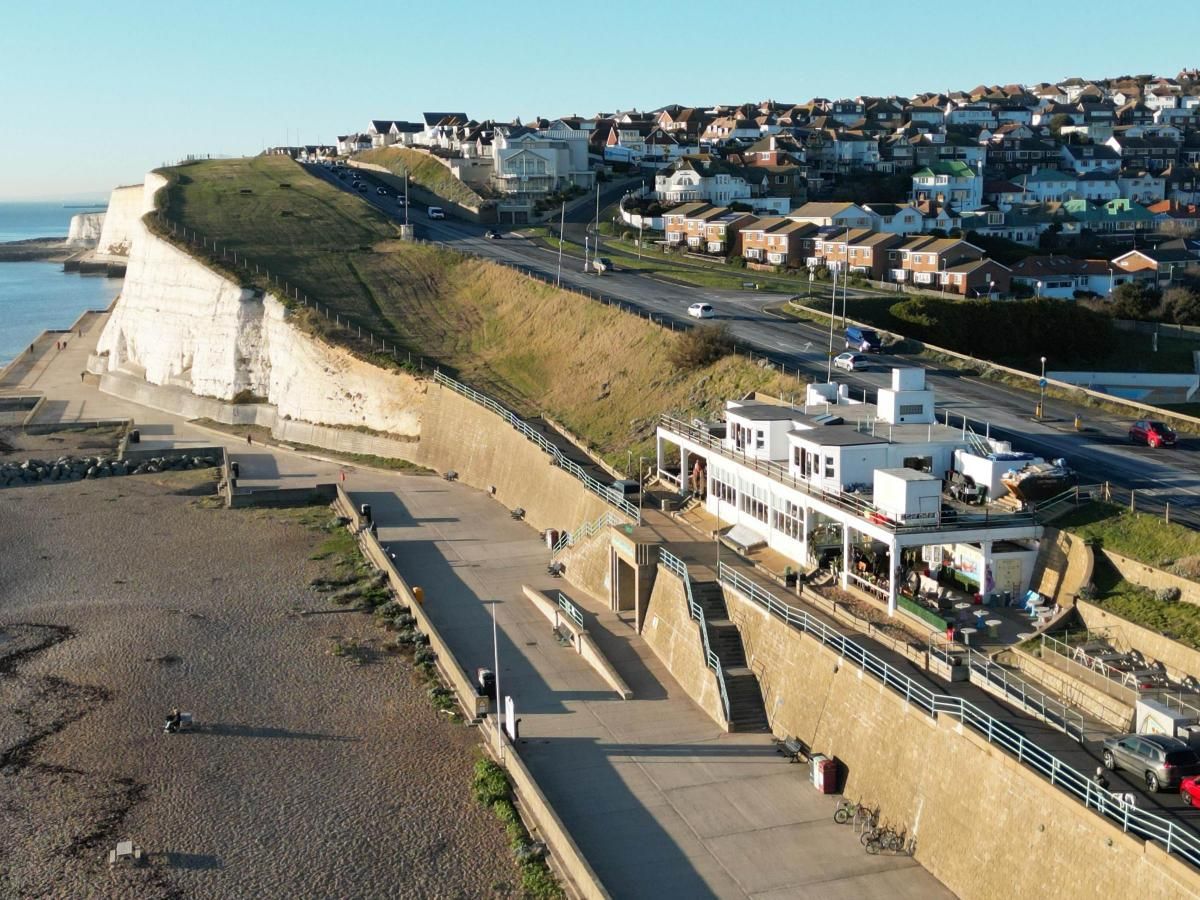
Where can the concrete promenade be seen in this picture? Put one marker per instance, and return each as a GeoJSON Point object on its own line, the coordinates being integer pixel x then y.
{"type": "Point", "coordinates": [660, 801]}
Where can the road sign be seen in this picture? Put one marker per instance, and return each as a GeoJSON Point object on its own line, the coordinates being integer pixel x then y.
{"type": "Point", "coordinates": [1042, 382]}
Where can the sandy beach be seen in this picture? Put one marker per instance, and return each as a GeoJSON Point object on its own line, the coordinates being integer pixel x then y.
{"type": "Point", "coordinates": [310, 775]}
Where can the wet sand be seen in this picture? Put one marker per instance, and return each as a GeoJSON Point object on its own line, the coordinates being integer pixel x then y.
{"type": "Point", "coordinates": [309, 776]}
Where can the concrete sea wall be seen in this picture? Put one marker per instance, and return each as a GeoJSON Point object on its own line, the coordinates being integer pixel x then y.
{"type": "Point", "coordinates": [986, 826]}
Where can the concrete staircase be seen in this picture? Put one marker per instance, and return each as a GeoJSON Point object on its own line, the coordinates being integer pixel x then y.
{"type": "Point", "coordinates": [746, 710]}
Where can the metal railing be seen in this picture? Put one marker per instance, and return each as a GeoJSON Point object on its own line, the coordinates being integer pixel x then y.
{"type": "Point", "coordinates": [1174, 838]}
{"type": "Point", "coordinates": [603, 491]}
{"type": "Point", "coordinates": [851, 503]}
{"type": "Point", "coordinates": [584, 531]}
{"type": "Point", "coordinates": [573, 612]}
{"type": "Point", "coordinates": [675, 565]}
{"type": "Point", "coordinates": [1108, 676]}
{"type": "Point", "coordinates": [1016, 690]}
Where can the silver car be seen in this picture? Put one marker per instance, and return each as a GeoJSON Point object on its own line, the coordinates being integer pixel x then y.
{"type": "Point", "coordinates": [1160, 760]}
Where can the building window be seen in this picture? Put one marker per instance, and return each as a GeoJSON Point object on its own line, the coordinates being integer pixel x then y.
{"type": "Point", "coordinates": [720, 488]}
{"type": "Point", "coordinates": [754, 502]}
{"type": "Point", "coordinates": [789, 519]}
{"type": "Point", "coordinates": [829, 467]}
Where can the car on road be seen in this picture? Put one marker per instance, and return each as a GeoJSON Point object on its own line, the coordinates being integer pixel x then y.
{"type": "Point", "coordinates": [602, 264]}
{"type": "Point", "coordinates": [1189, 790]}
{"type": "Point", "coordinates": [382, 192]}
{"type": "Point", "coordinates": [851, 362]}
{"type": "Point", "coordinates": [436, 212]}
{"type": "Point", "coordinates": [865, 340]}
{"type": "Point", "coordinates": [1151, 433]}
{"type": "Point", "coordinates": [1159, 760]}
{"type": "Point", "coordinates": [492, 234]}
{"type": "Point", "coordinates": [701, 311]}
{"type": "Point", "coordinates": [362, 187]}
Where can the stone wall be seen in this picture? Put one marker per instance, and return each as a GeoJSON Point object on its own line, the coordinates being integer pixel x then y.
{"type": "Point", "coordinates": [1149, 577]}
{"type": "Point", "coordinates": [986, 826]}
{"type": "Point", "coordinates": [460, 435]}
{"type": "Point", "coordinates": [1178, 659]}
{"type": "Point", "coordinates": [586, 564]}
{"type": "Point", "coordinates": [1064, 565]}
{"type": "Point", "coordinates": [674, 636]}
{"type": "Point", "coordinates": [1056, 677]}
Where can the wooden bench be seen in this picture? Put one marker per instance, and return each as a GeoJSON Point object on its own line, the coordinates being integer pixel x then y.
{"type": "Point", "coordinates": [126, 850]}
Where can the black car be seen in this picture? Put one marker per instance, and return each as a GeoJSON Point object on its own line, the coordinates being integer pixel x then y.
{"type": "Point", "coordinates": [492, 234]}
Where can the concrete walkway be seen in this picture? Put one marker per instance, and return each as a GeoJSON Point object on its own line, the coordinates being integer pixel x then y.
{"type": "Point", "coordinates": [660, 801]}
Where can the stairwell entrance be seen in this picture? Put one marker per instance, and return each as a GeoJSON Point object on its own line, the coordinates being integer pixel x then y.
{"type": "Point", "coordinates": [632, 567]}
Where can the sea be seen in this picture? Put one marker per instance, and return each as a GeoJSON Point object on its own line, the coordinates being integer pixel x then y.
{"type": "Point", "coordinates": [35, 296]}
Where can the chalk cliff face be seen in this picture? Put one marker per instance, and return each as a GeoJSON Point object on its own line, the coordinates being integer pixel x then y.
{"type": "Point", "coordinates": [177, 322]}
{"type": "Point", "coordinates": [85, 229]}
{"type": "Point", "coordinates": [125, 210]}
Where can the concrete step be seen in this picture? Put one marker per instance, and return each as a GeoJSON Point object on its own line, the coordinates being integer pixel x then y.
{"type": "Point", "coordinates": [746, 710]}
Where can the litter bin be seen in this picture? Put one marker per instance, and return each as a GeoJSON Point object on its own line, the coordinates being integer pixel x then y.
{"type": "Point", "coordinates": [551, 538]}
{"type": "Point", "coordinates": [234, 469]}
{"type": "Point", "coordinates": [135, 437]}
{"type": "Point", "coordinates": [824, 773]}
{"type": "Point", "coordinates": [365, 510]}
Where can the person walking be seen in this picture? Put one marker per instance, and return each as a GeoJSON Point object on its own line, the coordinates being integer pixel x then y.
{"type": "Point", "coordinates": [249, 440]}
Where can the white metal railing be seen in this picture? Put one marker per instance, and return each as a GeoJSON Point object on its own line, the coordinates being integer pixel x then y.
{"type": "Point", "coordinates": [1017, 690]}
{"type": "Point", "coordinates": [585, 531]}
{"type": "Point", "coordinates": [1176, 839]}
{"type": "Point", "coordinates": [572, 611]}
{"type": "Point", "coordinates": [676, 565]}
{"type": "Point", "coordinates": [851, 503]}
{"type": "Point", "coordinates": [603, 491]}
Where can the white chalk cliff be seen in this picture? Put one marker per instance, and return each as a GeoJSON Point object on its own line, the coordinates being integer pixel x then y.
{"type": "Point", "coordinates": [85, 229]}
{"type": "Point", "coordinates": [121, 221]}
{"type": "Point", "coordinates": [179, 323]}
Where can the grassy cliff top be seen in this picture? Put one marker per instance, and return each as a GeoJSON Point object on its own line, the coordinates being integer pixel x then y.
{"type": "Point", "coordinates": [602, 373]}
{"type": "Point", "coordinates": [423, 170]}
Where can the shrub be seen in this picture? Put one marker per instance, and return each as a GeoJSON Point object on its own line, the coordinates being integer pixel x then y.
{"type": "Point", "coordinates": [738, 262]}
{"type": "Point", "coordinates": [700, 347]}
{"type": "Point", "coordinates": [1167, 594]}
{"type": "Point", "coordinates": [490, 784]}
{"type": "Point", "coordinates": [1088, 592]}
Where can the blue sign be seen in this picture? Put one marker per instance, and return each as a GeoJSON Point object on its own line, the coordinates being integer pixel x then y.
{"type": "Point", "coordinates": [1042, 382]}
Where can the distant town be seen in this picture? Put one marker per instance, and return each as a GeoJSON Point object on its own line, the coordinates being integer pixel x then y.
{"type": "Point", "coordinates": [1065, 189]}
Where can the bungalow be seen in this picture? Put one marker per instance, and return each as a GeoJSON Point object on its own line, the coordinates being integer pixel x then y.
{"type": "Point", "coordinates": [1120, 216]}
{"type": "Point", "coordinates": [1161, 263]}
{"type": "Point", "coordinates": [1062, 277]}
{"type": "Point", "coordinates": [843, 215]}
{"type": "Point", "coordinates": [951, 182]}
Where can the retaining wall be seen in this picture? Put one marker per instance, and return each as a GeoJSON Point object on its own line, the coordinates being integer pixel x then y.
{"type": "Point", "coordinates": [1064, 564]}
{"type": "Point", "coordinates": [675, 638]}
{"type": "Point", "coordinates": [1087, 699]}
{"type": "Point", "coordinates": [1178, 659]}
{"type": "Point", "coordinates": [986, 826]}
{"type": "Point", "coordinates": [581, 640]}
{"type": "Point", "coordinates": [460, 435]}
{"type": "Point", "coordinates": [586, 563]}
{"type": "Point", "coordinates": [1149, 577]}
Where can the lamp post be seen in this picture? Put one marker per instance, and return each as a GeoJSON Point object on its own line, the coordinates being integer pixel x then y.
{"type": "Point", "coordinates": [496, 676]}
{"type": "Point", "coordinates": [1110, 282]}
{"type": "Point", "coordinates": [1039, 290]}
{"type": "Point", "coordinates": [1042, 387]}
{"type": "Point", "coordinates": [832, 318]}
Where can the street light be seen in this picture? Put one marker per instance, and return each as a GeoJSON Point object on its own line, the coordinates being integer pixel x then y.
{"type": "Point", "coordinates": [1042, 387]}
{"type": "Point", "coordinates": [496, 676]}
{"type": "Point", "coordinates": [832, 319]}
{"type": "Point", "coordinates": [1039, 290]}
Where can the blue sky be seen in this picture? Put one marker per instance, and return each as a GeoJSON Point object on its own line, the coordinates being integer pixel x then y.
{"type": "Point", "coordinates": [93, 94]}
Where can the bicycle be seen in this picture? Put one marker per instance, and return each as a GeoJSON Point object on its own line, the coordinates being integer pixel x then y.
{"type": "Point", "coordinates": [888, 840]}
{"type": "Point", "coordinates": [847, 810]}
{"type": "Point", "coordinates": [883, 835]}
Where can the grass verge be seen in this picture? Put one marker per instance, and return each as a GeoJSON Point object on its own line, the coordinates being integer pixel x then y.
{"type": "Point", "coordinates": [493, 789]}
{"type": "Point", "coordinates": [1148, 539]}
{"type": "Point", "coordinates": [424, 171]}
{"type": "Point", "coordinates": [1172, 619]}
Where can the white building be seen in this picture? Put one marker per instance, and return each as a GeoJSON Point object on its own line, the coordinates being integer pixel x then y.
{"type": "Point", "coordinates": [528, 163]}
{"type": "Point", "coordinates": [853, 479]}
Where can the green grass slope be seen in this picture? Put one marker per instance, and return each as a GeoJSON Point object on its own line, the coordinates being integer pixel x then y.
{"type": "Point", "coordinates": [422, 170]}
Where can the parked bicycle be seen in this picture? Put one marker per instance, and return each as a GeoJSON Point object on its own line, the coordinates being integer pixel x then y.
{"type": "Point", "coordinates": [848, 810]}
{"type": "Point", "coordinates": [879, 833]}
{"type": "Point", "coordinates": [892, 842]}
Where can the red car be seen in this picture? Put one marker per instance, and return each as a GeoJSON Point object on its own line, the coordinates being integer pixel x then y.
{"type": "Point", "coordinates": [1189, 790]}
{"type": "Point", "coordinates": [1151, 433]}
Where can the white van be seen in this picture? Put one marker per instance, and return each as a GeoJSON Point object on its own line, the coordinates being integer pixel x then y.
{"type": "Point", "coordinates": [436, 212]}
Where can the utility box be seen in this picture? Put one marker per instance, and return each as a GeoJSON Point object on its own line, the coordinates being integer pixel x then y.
{"type": "Point", "coordinates": [824, 773]}
{"type": "Point", "coordinates": [1152, 717]}
{"type": "Point", "coordinates": [906, 495]}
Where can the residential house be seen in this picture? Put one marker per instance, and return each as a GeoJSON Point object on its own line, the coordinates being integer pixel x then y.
{"type": "Point", "coordinates": [349, 144]}
{"type": "Point", "coordinates": [853, 150]}
{"type": "Point", "coordinates": [438, 128]}
{"type": "Point", "coordinates": [1047, 185]}
{"type": "Point", "coordinates": [975, 115]}
{"type": "Point", "coordinates": [528, 164]}
{"type": "Point", "coordinates": [866, 253]}
{"type": "Point", "coordinates": [703, 177]}
{"type": "Point", "coordinates": [926, 118]}
{"type": "Point", "coordinates": [977, 278]}
{"type": "Point", "coordinates": [1061, 277]}
{"type": "Point", "coordinates": [1084, 158]}
{"type": "Point", "coordinates": [1172, 217]}
{"type": "Point", "coordinates": [1115, 217]}
{"type": "Point", "coordinates": [920, 259]}
{"type": "Point", "coordinates": [894, 218]}
{"type": "Point", "coordinates": [1101, 185]}
{"type": "Point", "coordinates": [841, 215]}
{"type": "Point", "coordinates": [1142, 186]}
{"type": "Point", "coordinates": [705, 228]}
{"type": "Point", "coordinates": [1020, 154]}
{"type": "Point", "coordinates": [1023, 224]}
{"type": "Point", "coordinates": [1153, 153]}
{"type": "Point", "coordinates": [776, 241]}
{"type": "Point", "coordinates": [1161, 264]}
{"type": "Point", "coordinates": [380, 131]}
{"type": "Point", "coordinates": [929, 149]}
{"type": "Point", "coordinates": [728, 128]}
{"type": "Point", "coordinates": [951, 182]}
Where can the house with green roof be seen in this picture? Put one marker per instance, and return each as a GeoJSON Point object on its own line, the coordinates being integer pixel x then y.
{"type": "Point", "coordinates": [948, 182]}
{"type": "Point", "coordinates": [1120, 216]}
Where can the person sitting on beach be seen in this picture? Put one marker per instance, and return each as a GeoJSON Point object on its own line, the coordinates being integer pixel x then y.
{"type": "Point", "coordinates": [173, 720]}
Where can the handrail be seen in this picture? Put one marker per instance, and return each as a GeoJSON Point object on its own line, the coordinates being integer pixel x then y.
{"type": "Point", "coordinates": [601, 490]}
{"type": "Point", "coordinates": [1016, 689]}
{"type": "Point", "coordinates": [675, 565]}
{"type": "Point", "coordinates": [847, 502]}
{"type": "Point", "coordinates": [584, 531]}
{"type": "Point", "coordinates": [1174, 838]}
{"type": "Point", "coordinates": [570, 609]}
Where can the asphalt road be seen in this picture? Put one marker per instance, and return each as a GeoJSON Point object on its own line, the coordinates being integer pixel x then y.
{"type": "Point", "coordinates": [1099, 453]}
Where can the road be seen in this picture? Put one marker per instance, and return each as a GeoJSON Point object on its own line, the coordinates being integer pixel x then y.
{"type": "Point", "coordinates": [1099, 453]}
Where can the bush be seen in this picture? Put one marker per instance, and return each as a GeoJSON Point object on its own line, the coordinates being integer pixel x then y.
{"type": "Point", "coordinates": [1088, 592]}
{"type": "Point", "coordinates": [1167, 594]}
{"type": "Point", "coordinates": [700, 347]}
{"type": "Point", "coordinates": [489, 783]}
{"type": "Point", "coordinates": [738, 262]}
{"type": "Point", "coordinates": [1133, 300]}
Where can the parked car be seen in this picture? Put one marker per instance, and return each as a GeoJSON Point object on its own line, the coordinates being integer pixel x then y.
{"type": "Point", "coordinates": [1161, 761]}
{"type": "Point", "coordinates": [1189, 790]}
{"type": "Point", "coordinates": [436, 212]}
{"type": "Point", "coordinates": [851, 362]}
{"type": "Point", "coordinates": [701, 311]}
{"type": "Point", "coordinates": [865, 340]}
{"type": "Point", "coordinates": [362, 187]}
{"type": "Point", "coordinates": [1151, 433]}
{"type": "Point", "coordinates": [602, 264]}
{"type": "Point", "coordinates": [492, 234]}
{"type": "Point", "coordinates": [382, 192]}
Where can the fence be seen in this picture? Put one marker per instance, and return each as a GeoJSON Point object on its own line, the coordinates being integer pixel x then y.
{"type": "Point", "coordinates": [1033, 699]}
{"type": "Point", "coordinates": [605, 492]}
{"type": "Point", "coordinates": [676, 565]}
{"type": "Point", "coordinates": [1175, 838]}
{"type": "Point", "coordinates": [570, 609]}
{"type": "Point", "coordinates": [585, 531]}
